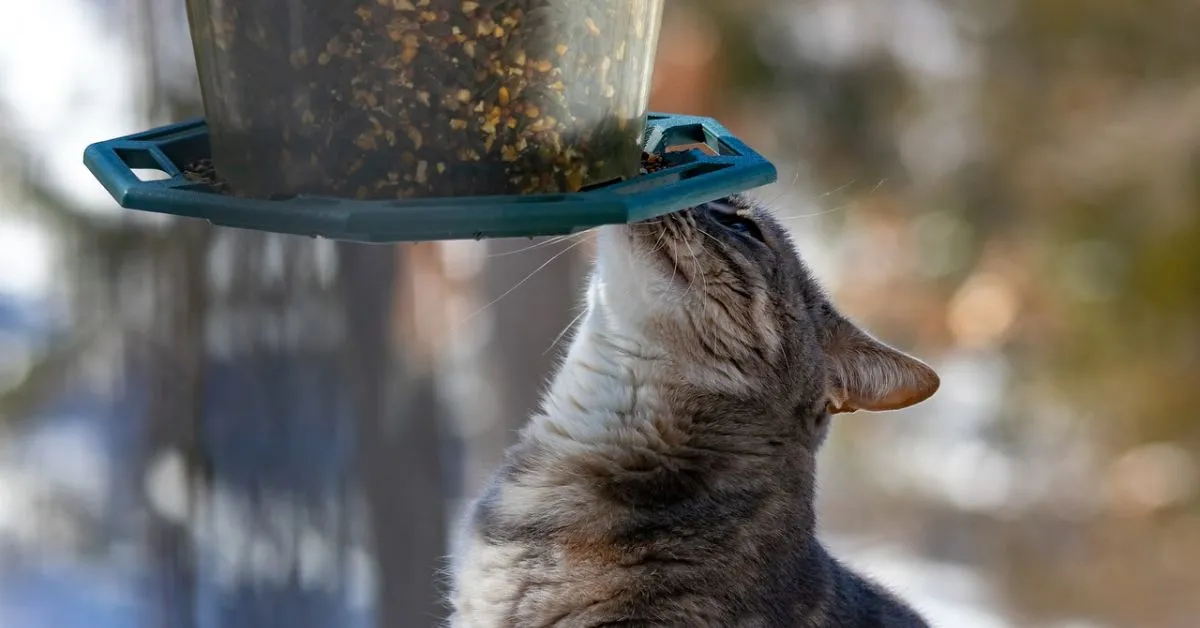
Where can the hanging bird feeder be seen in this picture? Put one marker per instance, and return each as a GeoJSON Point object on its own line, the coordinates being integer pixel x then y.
{"type": "Point", "coordinates": [404, 120]}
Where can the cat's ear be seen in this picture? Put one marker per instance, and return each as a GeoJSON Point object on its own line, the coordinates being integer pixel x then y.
{"type": "Point", "coordinates": [866, 374]}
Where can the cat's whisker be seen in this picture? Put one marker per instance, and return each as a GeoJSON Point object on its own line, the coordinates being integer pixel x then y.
{"type": "Point", "coordinates": [536, 245]}
{"type": "Point", "coordinates": [659, 243]}
{"type": "Point", "coordinates": [786, 189]}
{"type": "Point", "coordinates": [710, 254]}
{"type": "Point", "coordinates": [845, 185]}
{"type": "Point", "coordinates": [565, 330]}
{"type": "Point", "coordinates": [520, 283]}
{"type": "Point", "coordinates": [723, 245]}
{"type": "Point", "coordinates": [831, 210]}
{"type": "Point", "coordinates": [696, 263]}
{"type": "Point", "coordinates": [646, 226]}
{"type": "Point", "coordinates": [674, 262]}
{"type": "Point", "coordinates": [824, 212]}
{"type": "Point", "coordinates": [836, 190]}
{"type": "Point", "coordinates": [642, 254]}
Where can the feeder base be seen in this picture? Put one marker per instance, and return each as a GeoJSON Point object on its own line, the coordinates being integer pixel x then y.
{"type": "Point", "coordinates": [691, 176]}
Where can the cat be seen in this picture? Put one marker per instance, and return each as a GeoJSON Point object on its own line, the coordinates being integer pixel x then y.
{"type": "Point", "coordinates": [668, 479]}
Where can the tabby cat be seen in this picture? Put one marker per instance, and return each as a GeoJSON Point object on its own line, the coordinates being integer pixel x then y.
{"type": "Point", "coordinates": [668, 479]}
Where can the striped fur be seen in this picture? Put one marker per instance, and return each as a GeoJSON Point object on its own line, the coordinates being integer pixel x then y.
{"type": "Point", "coordinates": [668, 479]}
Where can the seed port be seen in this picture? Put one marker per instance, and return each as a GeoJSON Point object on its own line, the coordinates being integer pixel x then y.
{"type": "Point", "coordinates": [149, 174]}
{"type": "Point", "coordinates": [694, 160]}
{"type": "Point", "coordinates": [700, 146]}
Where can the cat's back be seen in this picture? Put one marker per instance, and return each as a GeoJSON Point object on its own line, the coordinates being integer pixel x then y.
{"type": "Point", "coordinates": [525, 564]}
{"type": "Point", "coordinates": [529, 554]}
{"type": "Point", "coordinates": [856, 602]}
{"type": "Point", "coordinates": [519, 578]}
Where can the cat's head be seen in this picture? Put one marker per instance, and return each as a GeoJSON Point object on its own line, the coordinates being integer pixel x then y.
{"type": "Point", "coordinates": [722, 290]}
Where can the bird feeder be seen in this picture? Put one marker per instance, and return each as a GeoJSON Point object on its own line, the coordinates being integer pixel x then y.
{"type": "Point", "coordinates": [402, 120]}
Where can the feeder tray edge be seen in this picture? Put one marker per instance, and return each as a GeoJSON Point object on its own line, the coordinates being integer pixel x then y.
{"type": "Point", "coordinates": [691, 177]}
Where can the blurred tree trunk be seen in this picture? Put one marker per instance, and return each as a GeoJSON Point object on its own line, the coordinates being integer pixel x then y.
{"type": "Point", "coordinates": [271, 369]}
{"type": "Point", "coordinates": [169, 358]}
{"type": "Point", "coordinates": [399, 418]}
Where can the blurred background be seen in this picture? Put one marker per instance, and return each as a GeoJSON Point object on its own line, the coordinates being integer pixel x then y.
{"type": "Point", "coordinates": [207, 427]}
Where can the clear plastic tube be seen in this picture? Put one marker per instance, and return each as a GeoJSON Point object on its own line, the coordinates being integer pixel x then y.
{"type": "Point", "coordinates": [379, 99]}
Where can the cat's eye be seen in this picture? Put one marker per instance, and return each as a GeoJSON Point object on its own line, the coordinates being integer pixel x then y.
{"type": "Point", "coordinates": [740, 224]}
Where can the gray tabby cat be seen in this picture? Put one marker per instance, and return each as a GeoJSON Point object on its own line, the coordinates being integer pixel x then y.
{"type": "Point", "coordinates": [668, 480]}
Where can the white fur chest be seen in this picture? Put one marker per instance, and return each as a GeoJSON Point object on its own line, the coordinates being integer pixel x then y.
{"type": "Point", "coordinates": [486, 584]}
{"type": "Point", "coordinates": [605, 403]}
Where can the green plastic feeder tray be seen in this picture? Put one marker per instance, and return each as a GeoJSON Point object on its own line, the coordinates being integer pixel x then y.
{"type": "Point", "coordinates": [686, 178]}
